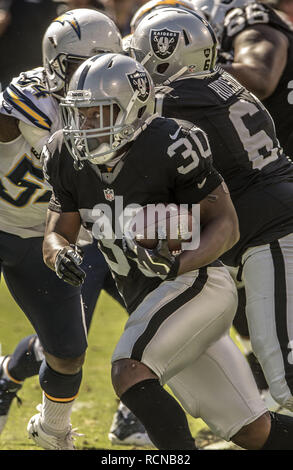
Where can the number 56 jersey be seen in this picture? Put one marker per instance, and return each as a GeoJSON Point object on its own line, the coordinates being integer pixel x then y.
{"type": "Point", "coordinates": [24, 194]}
{"type": "Point", "coordinates": [245, 151]}
{"type": "Point", "coordinates": [280, 102]}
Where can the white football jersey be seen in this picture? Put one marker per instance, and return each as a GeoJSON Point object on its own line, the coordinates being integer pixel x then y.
{"type": "Point", "coordinates": [26, 99]}
{"type": "Point", "coordinates": [24, 194]}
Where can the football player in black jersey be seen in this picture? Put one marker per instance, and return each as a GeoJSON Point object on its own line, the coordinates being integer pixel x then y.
{"type": "Point", "coordinates": [256, 42]}
{"type": "Point", "coordinates": [29, 113]}
{"type": "Point", "coordinates": [256, 46]}
{"type": "Point", "coordinates": [258, 174]}
{"type": "Point", "coordinates": [180, 306]}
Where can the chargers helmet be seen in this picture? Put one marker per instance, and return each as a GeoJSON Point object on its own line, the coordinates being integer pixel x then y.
{"type": "Point", "coordinates": [75, 36]}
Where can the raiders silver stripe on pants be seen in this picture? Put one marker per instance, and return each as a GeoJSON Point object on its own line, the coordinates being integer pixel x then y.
{"type": "Point", "coordinates": [268, 280]}
{"type": "Point", "coordinates": [185, 321]}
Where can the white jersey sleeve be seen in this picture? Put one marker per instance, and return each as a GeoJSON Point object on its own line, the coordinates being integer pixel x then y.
{"type": "Point", "coordinates": [27, 99]}
{"type": "Point", "coordinates": [24, 193]}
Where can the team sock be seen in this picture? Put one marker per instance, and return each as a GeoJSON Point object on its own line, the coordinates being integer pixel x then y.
{"type": "Point", "coordinates": [55, 416]}
{"type": "Point", "coordinates": [162, 416]}
{"type": "Point", "coordinates": [281, 434]}
{"type": "Point", "coordinates": [59, 393]}
{"type": "Point", "coordinates": [57, 386]}
{"type": "Point", "coordinates": [26, 359]}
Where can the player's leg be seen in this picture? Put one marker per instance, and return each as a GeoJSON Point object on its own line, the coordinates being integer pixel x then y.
{"type": "Point", "coordinates": [27, 357]}
{"type": "Point", "coordinates": [24, 362]}
{"type": "Point", "coordinates": [241, 326]}
{"type": "Point", "coordinates": [126, 429]}
{"type": "Point", "coordinates": [174, 325]}
{"type": "Point", "coordinates": [56, 313]}
{"type": "Point", "coordinates": [97, 272]}
{"type": "Point", "coordinates": [268, 277]}
{"type": "Point", "coordinates": [219, 388]}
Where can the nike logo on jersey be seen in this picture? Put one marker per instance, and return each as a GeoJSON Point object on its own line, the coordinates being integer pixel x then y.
{"type": "Point", "coordinates": [174, 136]}
{"type": "Point", "coordinates": [201, 185]}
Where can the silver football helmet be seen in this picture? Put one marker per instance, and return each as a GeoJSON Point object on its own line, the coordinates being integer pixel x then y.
{"type": "Point", "coordinates": [75, 36]}
{"type": "Point", "coordinates": [171, 43]}
{"type": "Point", "coordinates": [121, 93]}
{"type": "Point", "coordinates": [216, 10]}
{"type": "Point", "coordinates": [152, 5]}
{"type": "Point", "coordinates": [126, 42]}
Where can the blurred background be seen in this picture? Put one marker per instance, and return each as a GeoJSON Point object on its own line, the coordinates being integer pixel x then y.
{"type": "Point", "coordinates": [23, 23]}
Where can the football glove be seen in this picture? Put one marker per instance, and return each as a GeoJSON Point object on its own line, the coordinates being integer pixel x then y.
{"type": "Point", "coordinates": [67, 264]}
{"type": "Point", "coordinates": [158, 261]}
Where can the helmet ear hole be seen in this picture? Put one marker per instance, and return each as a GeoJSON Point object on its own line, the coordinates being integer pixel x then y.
{"type": "Point", "coordinates": [186, 39]}
{"type": "Point", "coordinates": [161, 68]}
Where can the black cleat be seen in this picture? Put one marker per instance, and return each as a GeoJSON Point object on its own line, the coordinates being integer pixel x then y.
{"type": "Point", "coordinates": [126, 429]}
{"type": "Point", "coordinates": [8, 391]}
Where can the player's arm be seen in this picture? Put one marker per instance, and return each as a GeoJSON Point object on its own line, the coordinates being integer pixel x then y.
{"type": "Point", "coordinates": [61, 231]}
{"type": "Point", "coordinates": [195, 182]}
{"type": "Point", "coordinates": [260, 56]}
{"type": "Point", "coordinates": [220, 231]}
{"type": "Point", "coordinates": [60, 252]}
{"type": "Point", "coordinates": [9, 129]}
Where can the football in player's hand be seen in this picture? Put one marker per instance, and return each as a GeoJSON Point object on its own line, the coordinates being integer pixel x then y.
{"type": "Point", "coordinates": [162, 221]}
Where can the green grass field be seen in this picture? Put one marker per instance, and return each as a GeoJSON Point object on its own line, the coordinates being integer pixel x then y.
{"type": "Point", "coordinates": [94, 409]}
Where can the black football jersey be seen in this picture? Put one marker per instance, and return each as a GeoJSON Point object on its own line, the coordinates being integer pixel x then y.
{"type": "Point", "coordinates": [167, 163]}
{"type": "Point", "coordinates": [245, 151]}
{"type": "Point", "coordinates": [280, 103]}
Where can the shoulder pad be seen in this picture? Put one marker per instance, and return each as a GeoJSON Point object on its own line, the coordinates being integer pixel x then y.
{"type": "Point", "coordinates": [27, 99]}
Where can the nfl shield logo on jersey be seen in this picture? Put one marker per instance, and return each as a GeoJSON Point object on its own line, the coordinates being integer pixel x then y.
{"type": "Point", "coordinates": [139, 82]}
{"type": "Point", "coordinates": [109, 194]}
{"type": "Point", "coordinates": [164, 42]}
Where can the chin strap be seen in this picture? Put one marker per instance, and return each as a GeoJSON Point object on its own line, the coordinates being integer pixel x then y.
{"type": "Point", "coordinates": [175, 76]}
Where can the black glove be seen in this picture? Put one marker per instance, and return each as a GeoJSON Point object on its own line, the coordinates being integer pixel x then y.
{"type": "Point", "coordinates": [67, 265]}
{"type": "Point", "coordinates": [159, 261]}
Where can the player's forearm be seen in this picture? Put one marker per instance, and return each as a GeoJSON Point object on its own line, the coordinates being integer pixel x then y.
{"type": "Point", "coordinates": [250, 77]}
{"type": "Point", "coordinates": [260, 56]}
{"type": "Point", "coordinates": [62, 230]}
{"type": "Point", "coordinates": [217, 237]}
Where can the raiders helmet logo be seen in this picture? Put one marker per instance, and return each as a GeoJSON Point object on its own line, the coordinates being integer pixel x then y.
{"type": "Point", "coordinates": [139, 82]}
{"type": "Point", "coordinates": [164, 42]}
